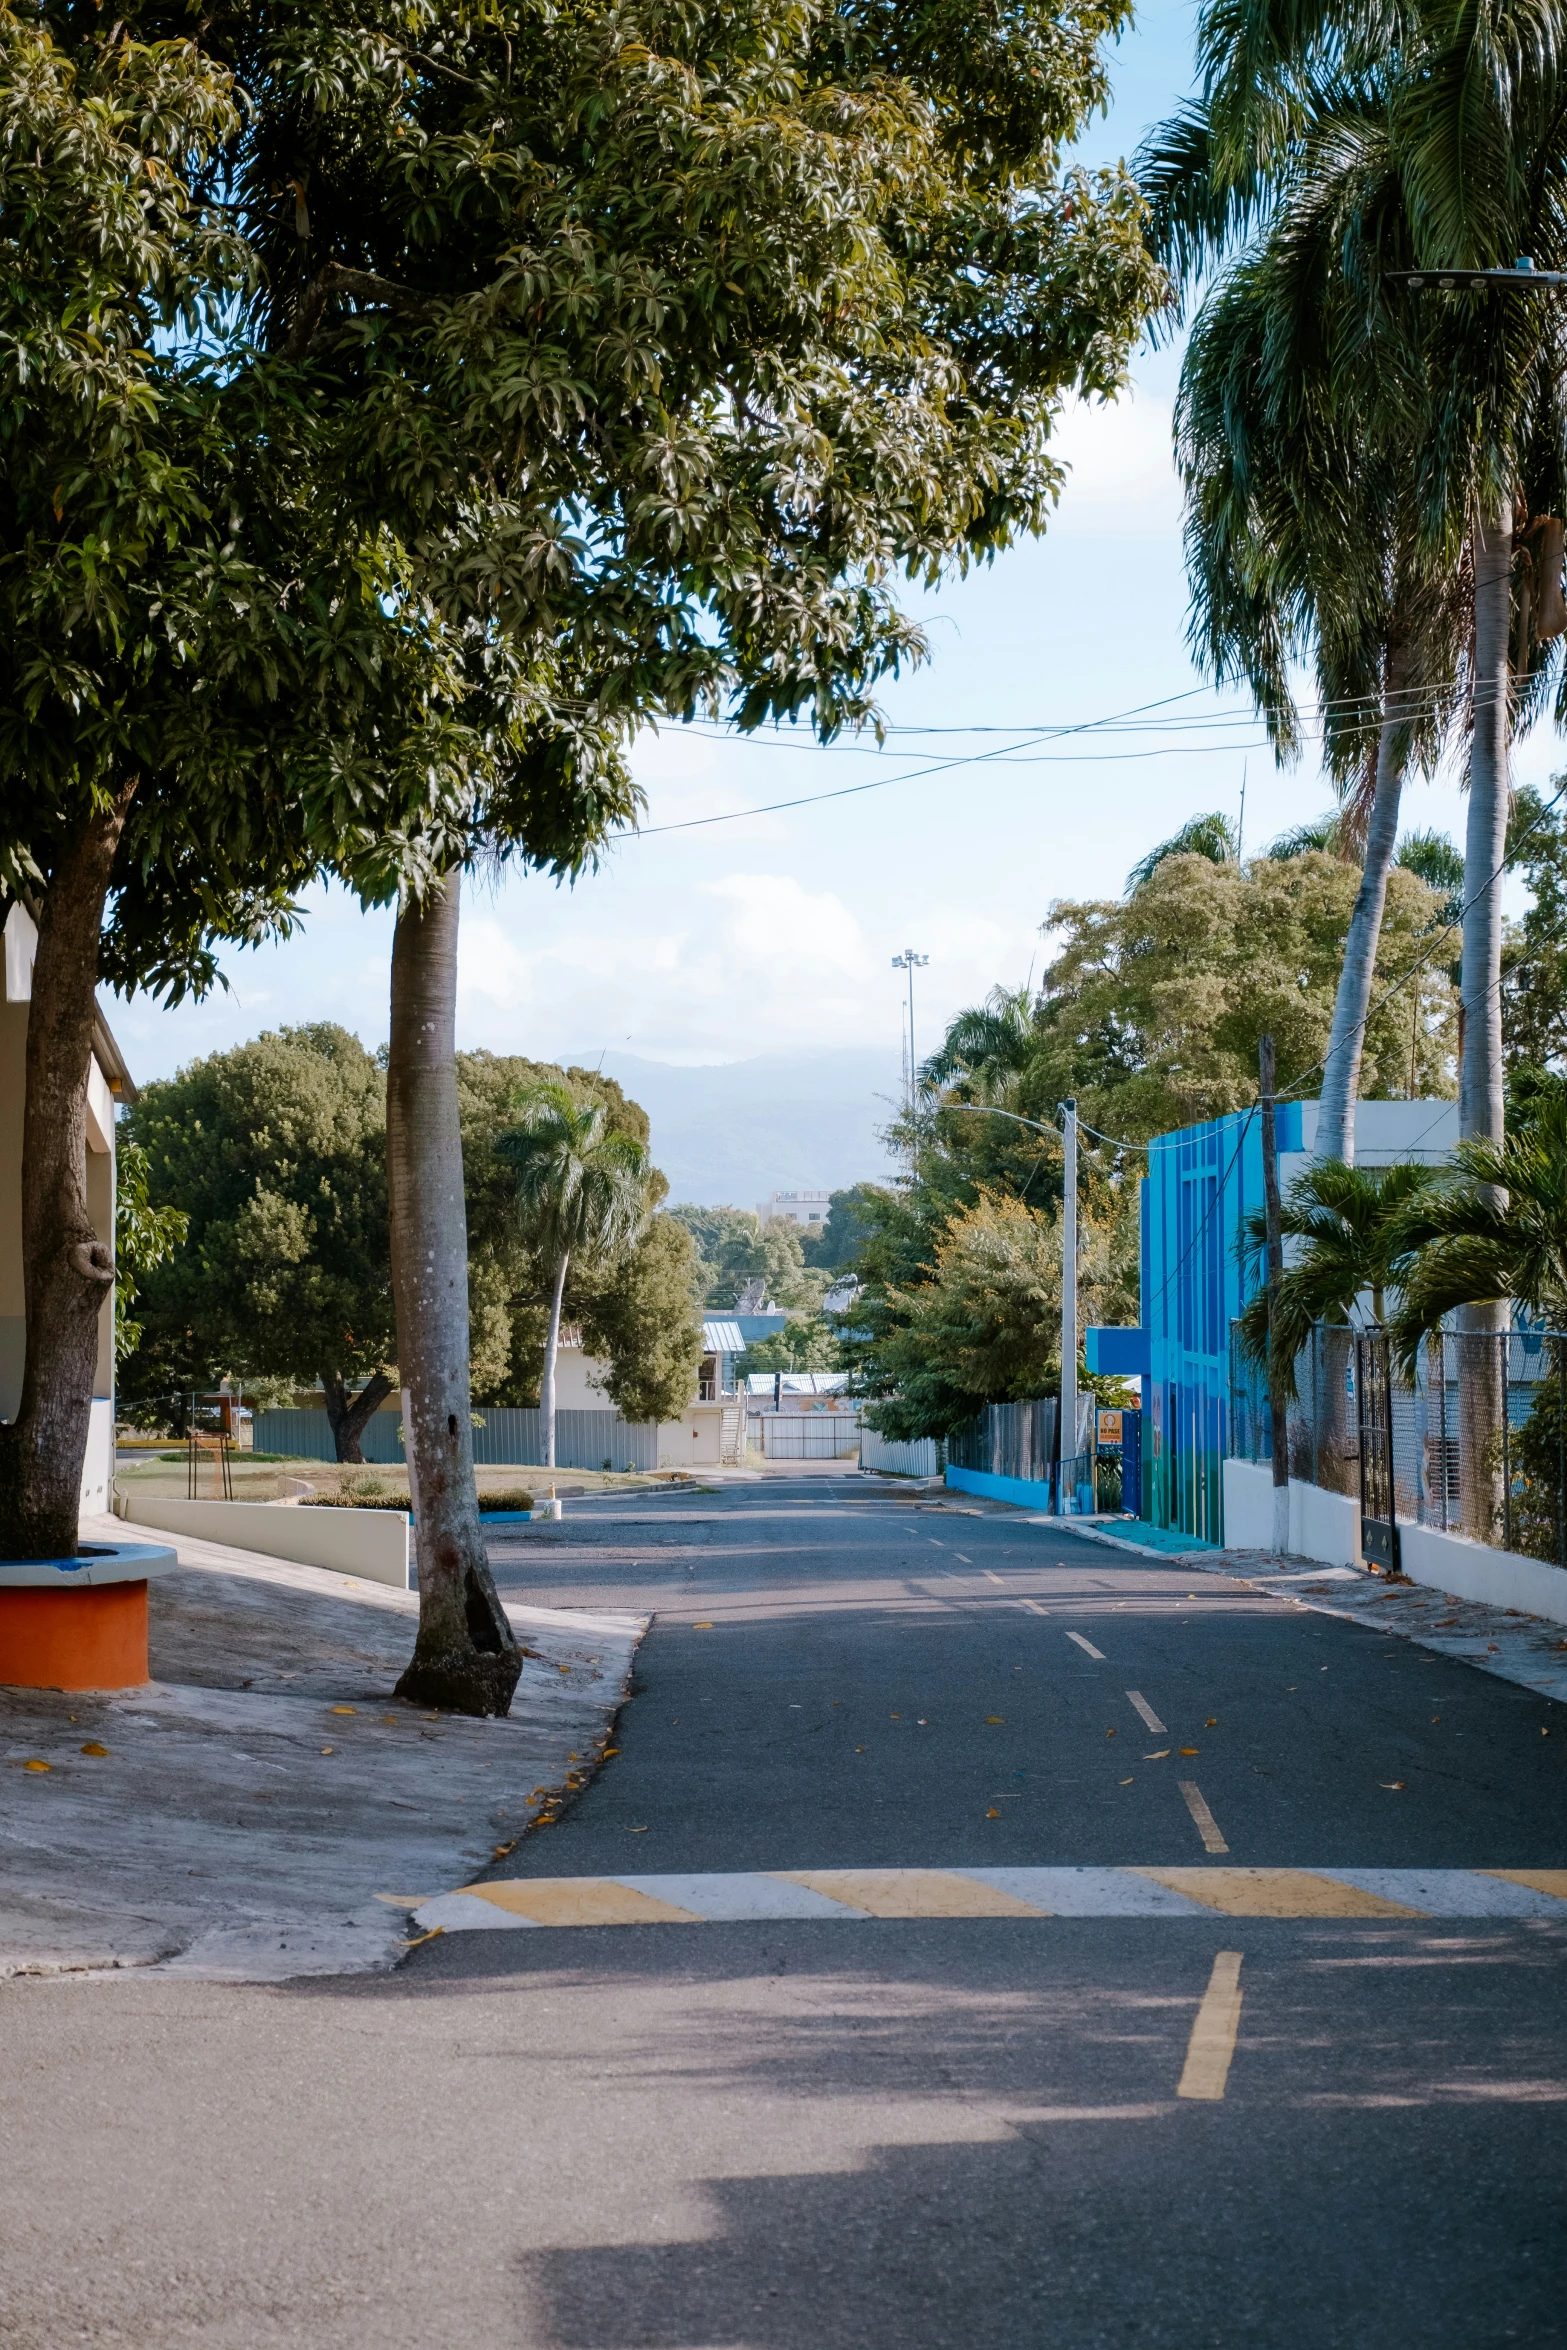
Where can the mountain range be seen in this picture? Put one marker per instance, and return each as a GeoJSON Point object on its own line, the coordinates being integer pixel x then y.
{"type": "Point", "coordinates": [728, 1133]}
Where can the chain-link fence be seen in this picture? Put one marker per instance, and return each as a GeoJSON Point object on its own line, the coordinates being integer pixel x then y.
{"type": "Point", "coordinates": [1475, 1442]}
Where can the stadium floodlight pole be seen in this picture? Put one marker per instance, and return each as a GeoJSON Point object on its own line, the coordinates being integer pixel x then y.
{"type": "Point", "coordinates": [911, 962]}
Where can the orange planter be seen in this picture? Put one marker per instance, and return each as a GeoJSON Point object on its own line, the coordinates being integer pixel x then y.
{"type": "Point", "coordinates": [93, 1637]}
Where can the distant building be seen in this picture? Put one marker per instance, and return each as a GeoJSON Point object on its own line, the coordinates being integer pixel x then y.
{"type": "Point", "coordinates": [795, 1207]}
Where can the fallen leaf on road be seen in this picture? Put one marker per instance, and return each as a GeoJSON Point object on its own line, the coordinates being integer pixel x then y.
{"type": "Point", "coordinates": [1212, 1723]}
{"type": "Point", "coordinates": [895, 1717]}
{"type": "Point", "coordinates": [609, 1750]}
{"type": "Point", "coordinates": [345, 1709]}
{"type": "Point", "coordinates": [1159, 1757]}
{"type": "Point", "coordinates": [1109, 1733]}
{"type": "Point", "coordinates": [418, 1938]}
{"type": "Point", "coordinates": [993, 1813]}
{"type": "Point", "coordinates": [1491, 1649]}
{"type": "Point", "coordinates": [1191, 1750]}
{"type": "Point", "coordinates": [1126, 1782]}
{"type": "Point", "coordinates": [707, 1627]}
{"type": "Point", "coordinates": [501, 1850]}
{"type": "Point", "coordinates": [639, 1831]}
{"type": "Point", "coordinates": [37, 1766]}
{"type": "Point", "coordinates": [1393, 1786]}
{"type": "Point", "coordinates": [997, 1719]}
{"type": "Point", "coordinates": [92, 1747]}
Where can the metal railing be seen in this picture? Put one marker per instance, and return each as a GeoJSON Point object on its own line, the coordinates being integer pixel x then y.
{"type": "Point", "coordinates": [1474, 1444]}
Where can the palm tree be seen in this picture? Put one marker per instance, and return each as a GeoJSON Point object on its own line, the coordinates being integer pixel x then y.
{"type": "Point", "coordinates": [1423, 134]}
{"type": "Point", "coordinates": [1300, 540]}
{"type": "Point", "coordinates": [1211, 836]}
{"type": "Point", "coordinates": [986, 1045]}
{"type": "Point", "coordinates": [582, 1190]}
{"type": "Point", "coordinates": [1496, 1230]}
{"type": "Point", "coordinates": [1348, 1225]}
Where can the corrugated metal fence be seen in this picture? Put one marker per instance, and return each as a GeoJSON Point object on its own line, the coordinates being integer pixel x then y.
{"type": "Point", "coordinates": [924, 1457]}
{"type": "Point", "coordinates": [502, 1438]}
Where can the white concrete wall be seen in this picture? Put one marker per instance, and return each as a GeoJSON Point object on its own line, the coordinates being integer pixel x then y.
{"type": "Point", "coordinates": [1323, 1526]}
{"type": "Point", "coordinates": [370, 1543]}
{"type": "Point", "coordinates": [1471, 1570]}
{"type": "Point", "coordinates": [1326, 1527]}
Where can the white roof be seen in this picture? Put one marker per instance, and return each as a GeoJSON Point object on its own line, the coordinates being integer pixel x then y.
{"type": "Point", "coordinates": [722, 1338]}
{"type": "Point", "coordinates": [798, 1382]}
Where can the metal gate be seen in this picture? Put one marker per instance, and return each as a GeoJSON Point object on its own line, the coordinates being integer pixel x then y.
{"type": "Point", "coordinates": [1374, 1422]}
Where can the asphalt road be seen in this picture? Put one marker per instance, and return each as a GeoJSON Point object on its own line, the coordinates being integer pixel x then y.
{"type": "Point", "coordinates": [952, 2134]}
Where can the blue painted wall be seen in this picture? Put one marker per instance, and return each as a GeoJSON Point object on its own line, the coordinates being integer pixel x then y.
{"type": "Point", "coordinates": [1201, 1184]}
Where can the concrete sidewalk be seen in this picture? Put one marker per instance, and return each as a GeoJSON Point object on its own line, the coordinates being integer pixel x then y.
{"type": "Point", "coordinates": [266, 1808]}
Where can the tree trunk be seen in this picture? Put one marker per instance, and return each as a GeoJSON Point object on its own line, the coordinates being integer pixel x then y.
{"type": "Point", "coordinates": [1480, 1115]}
{"type": "Point", "coordinates": [1347, 1043]}
{"type": "Point", "coordinates": [67, 1271]}
{"type": "Point", "coordinates": [551, 1351]}
{"type": "Point", "coordinates": [349, 1418]}
{"type": "Point", "coordinates": [466, 1656]}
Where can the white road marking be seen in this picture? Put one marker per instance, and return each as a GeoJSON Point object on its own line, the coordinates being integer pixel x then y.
{"type": "Point", "coordinates": [1087, 1647]}
{"type": "Point", "coordinates": [994, 1578]}
{"type": "Point", "coordinates": [1033, 1607]}
{"type": "Point", "coordinates": [1212, 2044]}
{"type": "Point", "coordinates": [964, 1556]}
{"type": "Point", "coordinates": [1142, 1706]}
{"type": "Point", "coordinates": [1207, 1825]}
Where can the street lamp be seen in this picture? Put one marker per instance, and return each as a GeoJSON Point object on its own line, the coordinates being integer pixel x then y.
{"type": "Point", "coordinates": [911, 962]}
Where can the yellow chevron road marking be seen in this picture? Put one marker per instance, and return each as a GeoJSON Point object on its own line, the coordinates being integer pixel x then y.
{"type": "Point", "coordinates": [913, 1893]}
{"type": "Point", "coordinates": [1537, 1880]}
{"type": "Point", "coordinates": [581, 1901]}
{"type": "Point", "coordinates": [1277, 1893]}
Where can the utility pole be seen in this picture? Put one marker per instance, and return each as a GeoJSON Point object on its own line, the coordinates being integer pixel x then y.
{"type": "Point", "coordinates": [1068, 1442]}
{"type": "Point", "coordinates": [1278, 1401]}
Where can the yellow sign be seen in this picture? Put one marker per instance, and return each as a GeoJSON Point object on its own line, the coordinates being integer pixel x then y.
{"type": "Point", "coordinates": [1109, 1427]}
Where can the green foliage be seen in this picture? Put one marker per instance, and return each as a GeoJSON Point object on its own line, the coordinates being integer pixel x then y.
{"type": "Point", "coordinates": [1151, 1012]}
{"type": "Point", "coordinates": [581, 1186]}
{"type": "Point", "coordinates": [1495, 1228]}
{"type": "Point", "coordinates": [1440, 864]}
{"type": "Point", "coordinates": [644, 1321]}
{"type": "Point", "coordinates": [1212, 837]}
{"type": "Point", "coordinates": [805, 1343]}
{"type": "Point", "coordinates": [145, 1237]}
{"type": "Point", "coordinates": [508, 1288]}
{"type": "Point", "coordinates": [835, 1244]}
{"type": "Point", "coordinates": [1534, 973]}
{"type": "Point", "coordinates": [735, 1247]}
{"type": "Point", "coordinates": [275, 1153]}
{"type": "Point", "coordinates": [981, 1322]}
{"type": "Point", "coordinates": [1349, 1225]}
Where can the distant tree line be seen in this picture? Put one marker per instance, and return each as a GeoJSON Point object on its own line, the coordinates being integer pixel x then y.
{"type": "Point", "coordinates": [274, 1155]}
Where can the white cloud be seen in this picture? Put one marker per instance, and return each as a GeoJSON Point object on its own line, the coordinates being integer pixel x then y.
{"type": "Point", "coordinates": [1122, 475]}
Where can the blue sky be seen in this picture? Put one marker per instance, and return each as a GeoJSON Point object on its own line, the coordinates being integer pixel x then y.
{"type": "Point", "coordinates": [775, 933]}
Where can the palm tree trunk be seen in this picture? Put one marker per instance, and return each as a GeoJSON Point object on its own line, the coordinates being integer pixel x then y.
{"type": "Point", "coordinates": [1480, 1114]}
{"type": "Point", "coordinates": [1347, 1042]}
{"type": "Point", "coordinates": [67, 1269]}
{"type": "Point", "coordinates": [466, 1656]}
{"type": "Point", "coordinates": [551, 1351]}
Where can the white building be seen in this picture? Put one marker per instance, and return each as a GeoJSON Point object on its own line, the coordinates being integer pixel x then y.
{"type": "Point", "coordinates": [809, 1209]}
